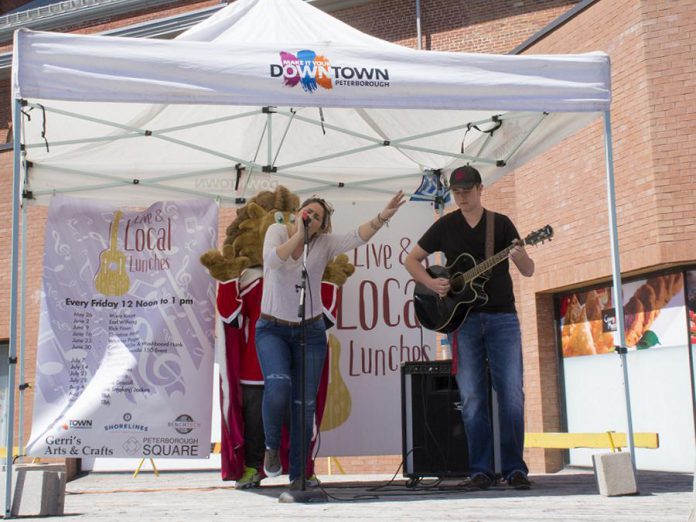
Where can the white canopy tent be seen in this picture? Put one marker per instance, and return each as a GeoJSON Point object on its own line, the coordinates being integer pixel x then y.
{"type": "Point", "coordinates": [277, 91]}
{"type": "Point", "coordinates": [291, 94]}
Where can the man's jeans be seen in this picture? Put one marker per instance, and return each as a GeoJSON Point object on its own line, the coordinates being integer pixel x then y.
{"type": "Point", "coordinates": [494, 338]}
{"type": "Point", "coordinates": [278, 347]}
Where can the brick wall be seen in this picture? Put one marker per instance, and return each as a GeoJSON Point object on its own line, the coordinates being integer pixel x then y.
{"type": "Point", "coordinates": [135, 17]}
{"type": "Point", "coordinates": [360, 465]}
{"type": "Point", "coordinates": [10, 5]}
{"type": "Point", "coordinates": [669, 28]}
{"type": "Point", "coordinates": [653, 125]}
{"type": "Point", "coordinates": [141, 16]}
{"type": "Point", "coordinates": [5, 111]}
{"type": "Point", "coordinates": [489, 26]}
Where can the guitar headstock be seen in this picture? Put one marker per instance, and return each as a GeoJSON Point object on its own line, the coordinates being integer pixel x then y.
{"type": "Point", "coordinates": [539, 236]}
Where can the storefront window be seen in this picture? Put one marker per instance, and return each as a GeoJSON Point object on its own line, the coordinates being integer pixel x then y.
{"type": "Point", "coordinates": [652, 307]}
{"type": "Point", "coordinates": [659, 386]}
{"type": "Point", "coordinates": [691, 305]}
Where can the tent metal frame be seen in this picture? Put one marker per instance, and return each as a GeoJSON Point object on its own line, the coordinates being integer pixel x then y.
{"type": "Point", "coordinates": [400, 144]}
{"type": "Point", "coordinates": [375, 142]}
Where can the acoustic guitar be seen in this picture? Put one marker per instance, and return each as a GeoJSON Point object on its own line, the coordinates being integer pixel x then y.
{"type": "Point", "coordinates": [112, 278]}
{"type": "Point", "coordinates": [467, 279]}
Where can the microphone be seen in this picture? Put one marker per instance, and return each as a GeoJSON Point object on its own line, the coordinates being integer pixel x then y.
{"type": "Point", "coordinates": [305, 219]}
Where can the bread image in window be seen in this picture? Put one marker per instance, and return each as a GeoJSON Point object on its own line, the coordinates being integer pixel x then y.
{"type": "Point", "coordinates": [603, 340]}
{"type": "Point", "coordinates": [576, 335]}
{"type": "Point", "coordinates": [647, 302]}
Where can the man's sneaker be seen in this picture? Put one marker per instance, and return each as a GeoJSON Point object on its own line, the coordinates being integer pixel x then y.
{"type": "Point", "coordinates": [310, 482]}
{"type": "Point", "coordinates": [250, 479]}
{"type": "Point", "coordinates": [271, 463]}
{"type": "Point", "coordinates": [519, 480]}
{"type": "Point", "coordinates": [481, 481]}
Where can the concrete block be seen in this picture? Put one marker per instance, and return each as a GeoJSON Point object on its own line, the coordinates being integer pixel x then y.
{"type": "Point", "coordinates": [39, 490]}
{"type": "Point", "coordinates": [614, 474]}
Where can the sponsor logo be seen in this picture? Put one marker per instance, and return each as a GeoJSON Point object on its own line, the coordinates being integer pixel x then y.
{"type": "Point", "coordinates": [131, 446]}
{"type": "Point", "coordinates": [126, 425]}
{"type": "Point", "coordinates": [311, 71]}
{"type": "Point", "coordinates": [61, 446]}
{"type": "Point", "coordinates": [104, 451]}
{"type": "Point", "coordinates": [170, 447]}
{"type": "Point", "coordinates": [170, 450]}
{"type": "Point", "coordinates": [184, 424]}
{"type": "Point", "coordinates": [78, 424]}
{"type": "Point", "coordinates": [72, 440]}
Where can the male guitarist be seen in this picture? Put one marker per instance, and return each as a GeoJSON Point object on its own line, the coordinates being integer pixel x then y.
{"type": "Point", "coordinates": [490, 334]}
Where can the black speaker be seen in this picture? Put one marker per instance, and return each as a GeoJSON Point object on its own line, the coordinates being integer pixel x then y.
{"type": "Point", "coordinates": [434, 441]}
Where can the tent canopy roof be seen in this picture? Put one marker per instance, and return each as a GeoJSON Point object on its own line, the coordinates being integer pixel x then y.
{"type": "Point", "coordinates": [291, 95]}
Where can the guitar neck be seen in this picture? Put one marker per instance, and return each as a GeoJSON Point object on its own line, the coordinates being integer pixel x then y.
{"type": "Point", "coordinates": [114, 230]}
{"type": "Point", "coordinates": [489, 263]}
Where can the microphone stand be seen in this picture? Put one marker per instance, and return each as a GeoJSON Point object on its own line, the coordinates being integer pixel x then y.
{"type": "Point", "coordinates": [303, 495]}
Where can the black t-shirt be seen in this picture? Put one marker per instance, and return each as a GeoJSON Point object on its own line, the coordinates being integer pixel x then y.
{"type": "Point", "coordinates": [452, 235]}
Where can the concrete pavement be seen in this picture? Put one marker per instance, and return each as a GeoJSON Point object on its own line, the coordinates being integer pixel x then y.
{"type": "Point", "coordinates": [202, 496]}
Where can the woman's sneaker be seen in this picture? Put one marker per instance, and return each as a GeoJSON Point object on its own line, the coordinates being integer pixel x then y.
{"type": "Point", "coordinates": [250, 479]}
{"type": "Point", "coordinates": [271, 463]}
{"type": "Point", "coordinates": [310, 482]}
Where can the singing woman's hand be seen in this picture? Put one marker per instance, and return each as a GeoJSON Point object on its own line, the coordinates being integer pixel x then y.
{"type": "Point", "coordinates": [393, 205]}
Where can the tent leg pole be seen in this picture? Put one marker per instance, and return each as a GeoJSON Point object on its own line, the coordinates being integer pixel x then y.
{"type": "Point", "coordinates": [616, 271]}
{"type": "Point", "coordinates": [419, 35]}
{"type": "Point", "coordinates": [9, 420]}
{"type": "Point", "coordinates": [22, 333]}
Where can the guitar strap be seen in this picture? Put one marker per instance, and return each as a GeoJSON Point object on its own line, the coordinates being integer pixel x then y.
{"type": "Point", "coordinates": [490, 233]}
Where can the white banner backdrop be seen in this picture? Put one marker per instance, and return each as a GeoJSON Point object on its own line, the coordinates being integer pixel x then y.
{"type": "Point", "coordinates": [376, 331]}
{"type": "Point", "coordinates": [125, 351]}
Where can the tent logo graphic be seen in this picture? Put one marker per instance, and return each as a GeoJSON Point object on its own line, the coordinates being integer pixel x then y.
{"type": "Point", "coordinates": [307, 68]}
{"type": "Point", "coordinates": [311, 71]}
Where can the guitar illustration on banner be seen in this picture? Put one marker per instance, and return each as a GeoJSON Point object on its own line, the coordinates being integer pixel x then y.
{"type": "Point", "coordinates": [338, 401]}
{"type": "Point", "coordinates": [112, 277]}
{"type": "Point", "coordinates": [467, 280]}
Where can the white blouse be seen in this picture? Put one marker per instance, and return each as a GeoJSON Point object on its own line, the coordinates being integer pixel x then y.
{"type": "Point", "coordinates": [281, 298]}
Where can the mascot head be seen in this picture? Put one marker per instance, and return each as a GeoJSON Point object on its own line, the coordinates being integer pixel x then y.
{"type": "Point", "coordinates": [243, 246]}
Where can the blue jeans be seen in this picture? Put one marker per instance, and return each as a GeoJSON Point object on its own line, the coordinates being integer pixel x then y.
{"type": "Point", "coordinates": [278, 347]}
{"type": "Point", "coordinates": [494, 338]}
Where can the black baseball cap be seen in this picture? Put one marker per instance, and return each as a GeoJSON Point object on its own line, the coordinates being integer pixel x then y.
{"type": "Point", "coordinates": [465, 177]}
